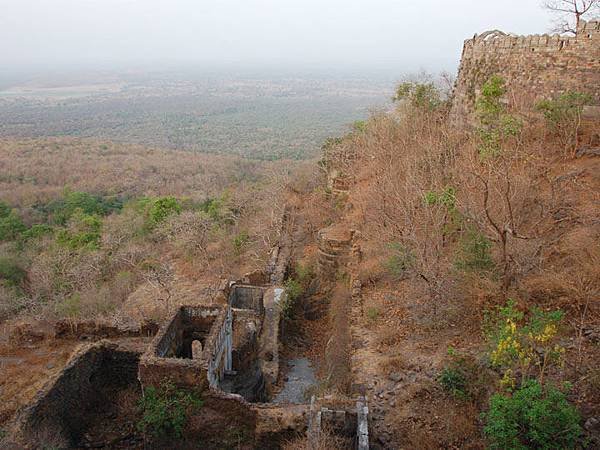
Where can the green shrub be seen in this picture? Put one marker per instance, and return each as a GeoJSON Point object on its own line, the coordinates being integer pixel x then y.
{"type": "Point", "coordinates": [373, 314]}
{"type": "Point", "coordinates": [62, 210]}
{"type": "Point", "coordinates": [219, 210]}
{"type": "Point", "coordinates": [360, 126]}
{"type": "Point", "coordinates": [400, 261]}
{"type": "Point", "coordinates": [564, 110]}
{"type": "Point", "coordinates": [455, 378]}
{"type": "Point", "coordinates": [37, 230]}
{"type": "Point", "coordinates": [454, 381]}
{"type": "Point", "coordinates": [11, 273]}
{"type": "Point", "coordinates": [446, 198]}
{"type": "Point", "coordinates": [11, 227]}
{"type": "Point", "coordinates": [165, 409]}
{"type": "Point", "coordinates": [420, 95]}
{"type": "Point", "coordinates": [83, 232]}
{"type": "Point", "coordinates": [294, 290]}
{"type": "Point", "coordinates": [475, 253]}
{"type": "Point", "coordinates": [304, 273]}
{"type": "Point", "coordinates": [534, 416]}
{"type": "Point", "coordinates": [162, 208]}
{"type": "Point", "coordinates": [240, 240]}
{"type": "Point", "coordinates": [4, 210]}
{"type": "Point", "coordinates": [69, 307]}
{"type": "Point", "coordinates": [495, 124]}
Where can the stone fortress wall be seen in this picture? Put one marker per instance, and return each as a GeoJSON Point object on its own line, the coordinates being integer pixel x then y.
{"type": "Point", "coordinates": [534, 67]}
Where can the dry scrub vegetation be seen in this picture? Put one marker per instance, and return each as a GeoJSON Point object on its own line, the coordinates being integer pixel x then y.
{"type": "Point", "coordinates": [93, 229]}
{"type": "Point", "coordinates": [485, 242]}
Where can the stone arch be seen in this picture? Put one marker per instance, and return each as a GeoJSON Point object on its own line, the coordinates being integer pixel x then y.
{"type": "Point", "coordinates": [491, 34]}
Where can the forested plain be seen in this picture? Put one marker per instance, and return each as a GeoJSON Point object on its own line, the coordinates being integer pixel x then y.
{"type": "Point", "coordinates": [254, 117]}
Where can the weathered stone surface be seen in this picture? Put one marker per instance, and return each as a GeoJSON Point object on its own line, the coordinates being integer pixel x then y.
{"type": "Point", "coordinates": [335, 250]}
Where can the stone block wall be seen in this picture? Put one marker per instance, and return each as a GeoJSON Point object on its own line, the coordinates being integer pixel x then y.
{"type": "Point", "coordinates": [534, 67]}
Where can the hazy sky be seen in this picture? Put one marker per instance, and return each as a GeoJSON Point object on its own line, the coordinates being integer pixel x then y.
{"type": "Point", "coordinates": [393, 34]}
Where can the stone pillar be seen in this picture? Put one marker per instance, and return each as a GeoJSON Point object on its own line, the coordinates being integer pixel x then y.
{"type": "Point", "coordinates": [362, 430]}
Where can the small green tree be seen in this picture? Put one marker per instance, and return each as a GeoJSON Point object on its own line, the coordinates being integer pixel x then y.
{"type": "Point", "coordinates": [161, 208]}
{"type": "Point", "coordinates": [523, 344]}
{"type": "Point", "coordinates": [421, 95]}
{"type": "Point", "coordinates": [293, 291]}
{"type": "Point", "coordinates": [534, 416]}
{"type": "Point", "coordinates": [496, 125]}
{"type": "Point", "coordinates": [474, 254]}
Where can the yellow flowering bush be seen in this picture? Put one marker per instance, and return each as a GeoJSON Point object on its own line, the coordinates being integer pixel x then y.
{"type": "Point", "coordinates": [519, 344]}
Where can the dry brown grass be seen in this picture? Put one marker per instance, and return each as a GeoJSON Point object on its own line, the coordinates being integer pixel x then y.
{"type": "Point", "coordinates": [538, 209]}
{"type": "Point", "coordinates": [38, 170]}
{"type": "Point", "coordinates": [393, 363]}
{"type": "Point", "coordinates": [325, 441]}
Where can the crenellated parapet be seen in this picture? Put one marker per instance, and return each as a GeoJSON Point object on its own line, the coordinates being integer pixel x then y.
{"type": "Point", "coordinates": [534, 67]}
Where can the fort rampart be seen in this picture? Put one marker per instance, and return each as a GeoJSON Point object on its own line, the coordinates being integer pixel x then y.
{"type": "Point", "coordinates": [534, 67]}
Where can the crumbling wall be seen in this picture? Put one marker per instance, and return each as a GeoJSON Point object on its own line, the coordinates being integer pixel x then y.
{"type": "Point", "coordinates": [534, 67]}
{"type": "Point", "coordinates": [282, 253]}
{"type": "Point", "coordinates": [59, 414]}
{"type": "Point", "coordinates": [247, 326]}
{"type": "Point", "coordinates": [335, 251]}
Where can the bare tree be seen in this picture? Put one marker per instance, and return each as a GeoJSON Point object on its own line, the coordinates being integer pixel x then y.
{"type": "Point", "coordinates": [160, 275]}
{"type": "Point", "coordinates": [571, 12]}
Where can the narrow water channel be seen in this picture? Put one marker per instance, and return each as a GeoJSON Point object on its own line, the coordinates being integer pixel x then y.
{"type": "Point", "coordinates": [300, 377]}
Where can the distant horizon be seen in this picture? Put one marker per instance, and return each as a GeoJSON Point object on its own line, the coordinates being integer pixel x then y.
{"type": "Point", "coordinates": [232, 68]}
{"type": "Point", "coordinates": [335, 36]}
